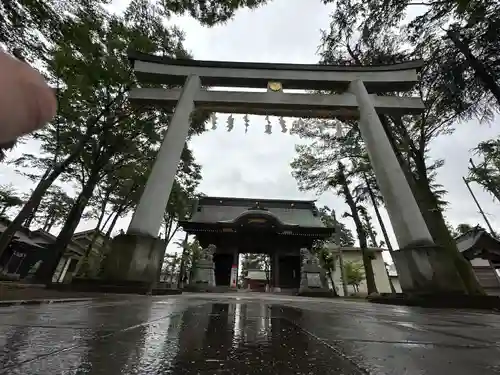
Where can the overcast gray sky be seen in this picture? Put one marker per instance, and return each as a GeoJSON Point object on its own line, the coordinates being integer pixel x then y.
{"type": "Point", "coordinates": [258, 165]}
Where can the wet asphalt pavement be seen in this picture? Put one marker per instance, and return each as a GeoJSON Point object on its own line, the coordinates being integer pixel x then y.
{"type": "Point", "coordinates": [245, 334]}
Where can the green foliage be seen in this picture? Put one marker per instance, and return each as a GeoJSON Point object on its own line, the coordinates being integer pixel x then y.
{"type": "Point", "coordinates": [487, 172]}
{"type": "Point", "coordinates": [451, 93]}
{"type": "Point", "coordinates": [368, 32]}
{"type": "Point", "coordinates": [456, 90]}
{"type": "Point", "coordinates": [369, 228]}
{"type": "Point", "coordinates": [4, 148]}
{"type": "Point", "coordinates": [327, 260]}
{"type": "Point", "coordinates": [463, 228]}
{"type": "Point", "coordinates": [116, 143]}
{"type": "Point", "coordinates": [327, 217]}
{"type": "Point", "coordinates": [25, 21]}
{"type": "Point", "coordinates": [255, 262]}
{"type": "Point", "coordinates": [183, 194]}
{"type": "Point", "coordinates": [53, 208]}
{"type": "Point", "coordinates": [170, 268]}
{"type": "Point", "coordinates": [9, 199]}
{"type": "Point", "coordinates": [209, 12]}
{"type": "Point", "coordinates": [93, 262]}
{"type": "Point", "coordinates": [97, 138]}
{"type": "Point", "coordinates": [354, 274]}
{"type": "Point", "coordinates": [191, 252]}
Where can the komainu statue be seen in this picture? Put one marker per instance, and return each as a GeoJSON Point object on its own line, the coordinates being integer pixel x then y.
{"type": "Point", "coordinates": [208, 253]}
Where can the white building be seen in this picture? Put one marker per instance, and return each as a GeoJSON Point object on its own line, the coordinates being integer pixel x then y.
{"type": "Point", "coordinates": [353, 254]}
{"type": "Point", "coordinates": [393, 276]}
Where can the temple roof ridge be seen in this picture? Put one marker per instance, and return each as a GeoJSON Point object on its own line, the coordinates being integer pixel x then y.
{"type": "Point", "coordinates": [252, 200]}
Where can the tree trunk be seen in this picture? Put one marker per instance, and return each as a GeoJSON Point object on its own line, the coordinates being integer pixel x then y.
{"type": "Point", "coordinates": [374, 240]}
{"type": "Point", "coordinates": [103, 226]}
{"type": "Point", "coordinates": [31, 216]}
{"type": "Point", "coordinates": [37, 195]}
{"type": "Point", "coordinates": [482, 72]}
{"type": "Point", "coordinates": [55, 172]}
{"type": "Point", "coordinates": [367, 262]}
{"type": "Point", "coordinates": [98, 225]}
{"type": "Point", "coordinates": [107, 236]}
{"type": "Point", "coordinates": [330, 276]}
{"type": "Point", "coordinates": [379, 217]}
{"type": "Point", "coordinates": [172, 270]}
{"type": "Point", "coordinates": [183, 262]}
{"type": "Point", "coordinates": [170, 231]}
{"type": "Point", "coordinates": [95, 236]}
{"type": "Point", "coordinates": [486, 183]}
{"type": "Point", "coordinates": [51, 224]}
{"type": "Point", "coordinates": [103, 210]}
{"type": "Point", "coordinates": [47, 223]}
{"type": "Point", "coordinates": [370, 231]}
{"type": "Point", "coordinates": [382, 227]}
{"type": "Point", "coordinates": [64, 237]}
{"type": "Point", "coordinates": [118, 212]}
{"type": "Point", "coordinates": [113, 224]}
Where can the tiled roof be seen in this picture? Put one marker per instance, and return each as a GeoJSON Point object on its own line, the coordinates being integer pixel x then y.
{"type": "Point", "coordinates": [20, 235]}
{"type": "Point", "coordinates": [476, 239]}
{"type": "Point", "coordinates": [468, 240]}
{"type": "Point", "coordinates": [295, 213]}
{"type": "Point", "coordinates": [333, 247]}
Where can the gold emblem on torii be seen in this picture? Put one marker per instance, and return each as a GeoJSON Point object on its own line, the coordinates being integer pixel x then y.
{"type": "Point", "coordinates": [274, 86]}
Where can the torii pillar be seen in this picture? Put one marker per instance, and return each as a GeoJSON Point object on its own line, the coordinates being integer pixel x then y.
{"type": "Point", "coordinates": [137, 255]}
{"type": "Point", "coordinates": [422, 266]}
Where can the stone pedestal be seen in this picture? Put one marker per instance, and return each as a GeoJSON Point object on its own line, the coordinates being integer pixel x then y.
{"type": "Point", "coordinates": [311, 280]}
{"type": "Point", "coordinates": [203, 276]}
{"type": "Point", "coordinates": [133, 259]}
{"type": "Point", "coordinates": [426, 270]}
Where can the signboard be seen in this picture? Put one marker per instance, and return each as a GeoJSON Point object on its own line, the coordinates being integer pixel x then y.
{"type": "Point", "coordinates": [234, 276]}
{"type": "Point", "coordinates": [257, 221]}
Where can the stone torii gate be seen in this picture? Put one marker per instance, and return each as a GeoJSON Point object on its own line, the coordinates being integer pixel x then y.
{"type": "Point", "coordinates": [136, 255]}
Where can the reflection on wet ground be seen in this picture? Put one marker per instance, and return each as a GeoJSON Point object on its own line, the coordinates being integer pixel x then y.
{"type": "Point", "coordinates": [256, 334]}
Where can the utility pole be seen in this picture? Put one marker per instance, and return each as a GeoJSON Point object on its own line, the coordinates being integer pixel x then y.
{"type": "Point", "coordinates": [377, 213]}
{"type": "Point", "coordinates": [341, 260]}
{"type": "Point", "coordinates": [479, 207]}
{"type": "Point", "coordinates": [491, 187]}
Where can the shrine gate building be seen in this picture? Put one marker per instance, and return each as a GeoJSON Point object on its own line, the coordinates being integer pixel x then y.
{"type": "Point", "coordinates": [278, 228]}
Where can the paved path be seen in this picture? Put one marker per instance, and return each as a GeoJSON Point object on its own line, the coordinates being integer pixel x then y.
{"type": "Point", "coordinates": [245, 334]}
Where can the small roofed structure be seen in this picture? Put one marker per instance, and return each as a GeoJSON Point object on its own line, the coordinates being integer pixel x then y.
{"type": "Point", "coordinates": [279, 228]}
{"type": "Point", "coordinates": [482, 250]}
{"type": "Point", "coordinates": [30, 248]}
